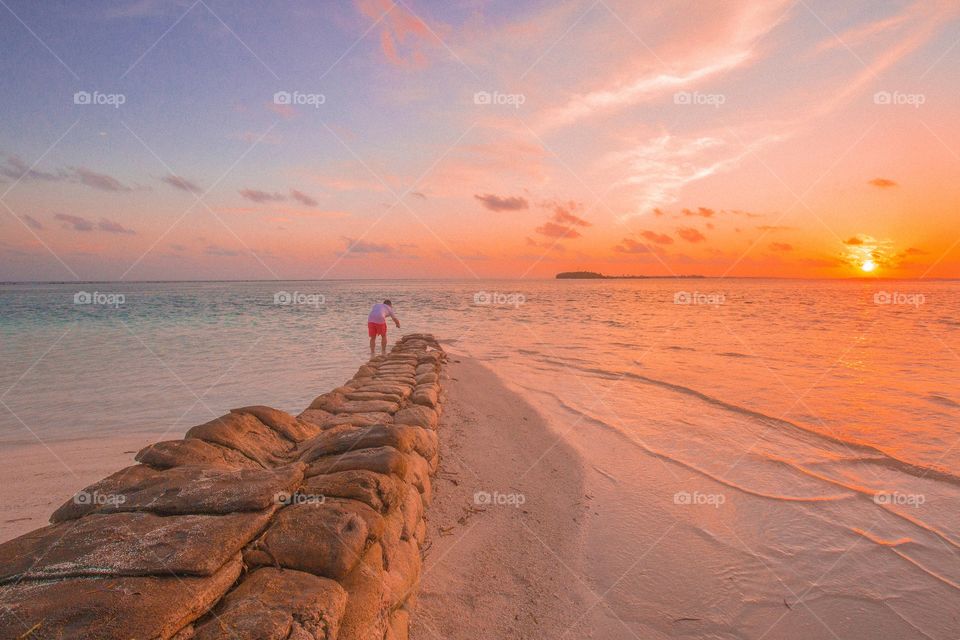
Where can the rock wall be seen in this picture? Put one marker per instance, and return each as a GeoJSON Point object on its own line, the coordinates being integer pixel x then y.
{"type": "Point", "coordinates": [257, 525]}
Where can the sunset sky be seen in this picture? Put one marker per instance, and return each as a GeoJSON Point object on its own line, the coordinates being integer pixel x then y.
{"type": "Point", "coordinates": [469, 139]}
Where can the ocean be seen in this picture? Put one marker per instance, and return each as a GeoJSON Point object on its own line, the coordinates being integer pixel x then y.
{"type": "Point", "coordinates": [798, 441]}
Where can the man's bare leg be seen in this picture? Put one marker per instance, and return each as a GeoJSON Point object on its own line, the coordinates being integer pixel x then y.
{"type": "Point", "coordinates": [373, 345]}
{"type": "Point", "coordinates": [383, 344]}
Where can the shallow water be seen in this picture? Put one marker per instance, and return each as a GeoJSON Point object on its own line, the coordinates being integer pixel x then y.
{"type": "Point", "coordinates": [794, 441]}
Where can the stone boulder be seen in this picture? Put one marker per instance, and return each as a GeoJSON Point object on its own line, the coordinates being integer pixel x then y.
{"type": "Point", "coordinates": [110, 608]}
{"type": "Point", "coordinates": [275, 604]}
{"type": "Point", "coordinates": [282, 422]}
{"type": "Point", "coordinates": [245, 433]}
{"type": "Point", "coordinates": [179, 453]}
{"type": "Point", "coordinates": [323, 538]}
{"type": "Point", "coordinates": [418, 415]}
{"type": "Point", "coordinates": [378, 491]}
{"type": "Point", "coordinates": [130, 544]}
{"type": "Point", "coordinates": [183, 490]}
{"type": "Point", "coordinates": [386, 460]}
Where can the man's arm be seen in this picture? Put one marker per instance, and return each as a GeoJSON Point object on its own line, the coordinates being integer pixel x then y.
{"type": "Point", "coordinates": [396, 320]}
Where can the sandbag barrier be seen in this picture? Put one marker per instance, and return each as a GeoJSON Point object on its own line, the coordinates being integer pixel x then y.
{"type": "Point", "coordinates": [257, 525]}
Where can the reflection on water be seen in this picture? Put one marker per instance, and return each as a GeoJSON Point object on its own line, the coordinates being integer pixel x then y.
{"type": "Point", "coordinates": [799, 438]}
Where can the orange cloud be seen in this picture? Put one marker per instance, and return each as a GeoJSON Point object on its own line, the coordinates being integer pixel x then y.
{"type": "Point", "coordinates": [882, 183]}
{"type": "Point", "coordinates": [659, 238]}
{"type": "Point", "coordinates": [691, 235]}
{"type": "Point", "coordinates": [554, 230]}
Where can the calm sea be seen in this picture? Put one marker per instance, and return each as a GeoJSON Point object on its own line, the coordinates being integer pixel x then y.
{"type": "Point", "coordinates": [802, 418]}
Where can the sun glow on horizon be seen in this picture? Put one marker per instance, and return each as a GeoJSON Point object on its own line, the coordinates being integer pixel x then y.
{"type": "Point", "coordinates": [868, 266]}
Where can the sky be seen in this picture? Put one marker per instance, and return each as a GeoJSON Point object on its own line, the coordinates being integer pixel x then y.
{"type": "Point", "coordinates": [215, 139]}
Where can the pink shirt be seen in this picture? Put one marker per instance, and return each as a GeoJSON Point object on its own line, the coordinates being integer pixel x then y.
{"type": "Point", "coordinates": [379, 313]}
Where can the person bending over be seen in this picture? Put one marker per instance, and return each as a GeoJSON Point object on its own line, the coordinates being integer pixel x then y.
{"type": "Point", "coordinates": [377, 325]}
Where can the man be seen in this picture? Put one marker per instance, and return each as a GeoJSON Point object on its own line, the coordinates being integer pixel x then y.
{"type": "Point", "coordinates": [377, 325]}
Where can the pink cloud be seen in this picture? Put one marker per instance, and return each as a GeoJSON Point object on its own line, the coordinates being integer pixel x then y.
{"type": "Point", "coordinates": [403, 35]}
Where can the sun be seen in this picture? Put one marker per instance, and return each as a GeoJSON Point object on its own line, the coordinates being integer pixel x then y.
{"type": "Point", "coordinates": [868, 266]}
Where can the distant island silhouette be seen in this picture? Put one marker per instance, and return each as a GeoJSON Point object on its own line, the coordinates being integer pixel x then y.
{"type": "Point", "coordinates": [593, 275]}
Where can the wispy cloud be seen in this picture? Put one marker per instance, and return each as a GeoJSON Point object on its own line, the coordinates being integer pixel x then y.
{"type": "Point", "coordinates": [257, 195]}
{"type": "Point", "coordinates": [181, 183]}
{"type": "Point", "coordinates": [73, 222]}
{"type": "Point", "coordinates": [502, 203]}
{"type": "Point", "coordinates": [302, 198]}
{"type": "Point", "coordinates": [100, 181]}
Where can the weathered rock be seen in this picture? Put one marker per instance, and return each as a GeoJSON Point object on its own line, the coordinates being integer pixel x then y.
{"type": "Point", "coordinates": [427, 367]}
{"type": "Point", "coordinates": [246, 434]}
{"type": "Point", "coordinates": [412, 510]}
{"type": "Point", "coordinates": [356, 419]}
{"type": "Point", "coordinates": [326, 539]}
{"type": "Point", "coordinates": [130, 544]}
{"type": "Point", "coordinates": [366, 615]}
{"type": "Point", "coordinates": [373, 395]}
{"type": "Point", "coordinates": [404, 438]}
{"type": "Point", "coordinates": [418, 474]}
{"type": "Point", "coordinates": [273, 604]}
{"type": "Point", "coordinates": [425, 395]}
{"type": "Point", "coordinates": [183, 490]}
{"type": "Point", "coordinates": [380, 492]}
{"type": "Point", "coordinates": [426, 378]}
{"type": "Point", "coordinates": [282, 422]}
{"type": "Point", "coordinates": [366, 406]}
{"type": "Point", "coordinates": [401, 566]}
{"type": "Point", "coordinates": [317, 417]}
{"type": "Point", "coordinates": [329, 401]}
{"type": "Point", "coordinates": [404, 390]}
{"type": "Point", "coordinates": [399, 376]}
{"type": "Point", "coordinates": [399, 628]}
{"type": "Point", "coordinates": [379, 459]}
{"type": "Point", "coordinates": [418, 415]}
{"type": "Point", "coordinates": [109, 608]}
{"type": "Point", "coordinates": [179, 453]}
